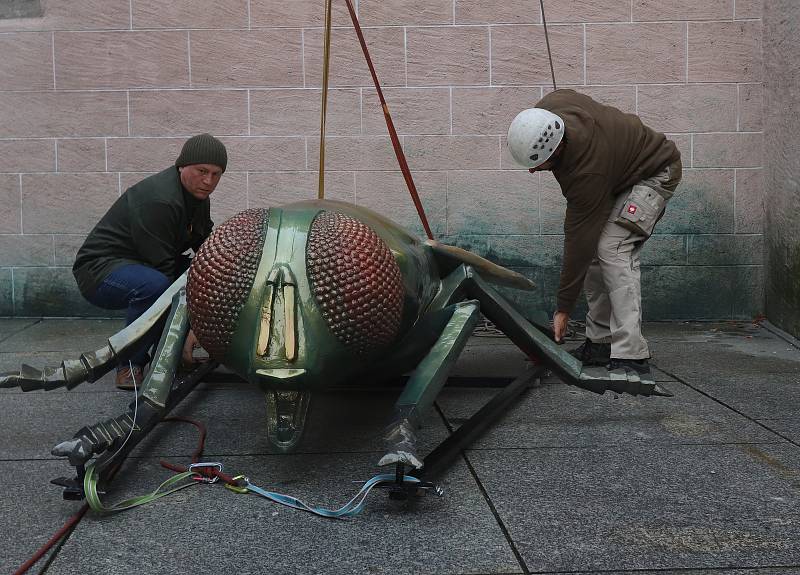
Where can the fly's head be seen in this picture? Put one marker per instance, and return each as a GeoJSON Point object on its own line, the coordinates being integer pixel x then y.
{"type": "Point", "coordinates": [295, 298]}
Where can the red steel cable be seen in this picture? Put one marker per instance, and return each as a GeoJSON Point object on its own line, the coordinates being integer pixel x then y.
{"type": "Point", "coordinates": [75, 519]}
{"type": "Point", "coordinates": [398, 149]}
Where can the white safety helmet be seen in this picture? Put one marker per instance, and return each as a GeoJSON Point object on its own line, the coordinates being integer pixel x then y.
{"type": "Point", "coordinates": [534, 135]}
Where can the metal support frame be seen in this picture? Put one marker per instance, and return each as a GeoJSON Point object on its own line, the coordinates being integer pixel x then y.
{"type": "Point", "coordinates": [439, 459]}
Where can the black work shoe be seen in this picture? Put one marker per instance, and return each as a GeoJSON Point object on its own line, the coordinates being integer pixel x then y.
{"type": "Point", "coordinates": [590, 353]}
{"type": "Point", "coordinates": [640, 366]}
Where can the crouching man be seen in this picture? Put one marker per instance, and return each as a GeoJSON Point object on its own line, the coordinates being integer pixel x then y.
{"type": "Point", "coordinates": [135, 251]}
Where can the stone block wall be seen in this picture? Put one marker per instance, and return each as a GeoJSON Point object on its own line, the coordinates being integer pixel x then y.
{"type": "Point", "coordinates": [782, 163]}
{"type": "Point", "coordinates": [96, 94]}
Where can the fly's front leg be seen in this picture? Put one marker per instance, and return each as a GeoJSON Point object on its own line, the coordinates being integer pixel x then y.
{"type": "Point", "coordinates": [425, 383]}
{"type": "Point", "coordinates": [149, 407]}
{"type": "Point", "coordinates": [534, 341]}
{"type": "Point", "coordinates": [93, 365]}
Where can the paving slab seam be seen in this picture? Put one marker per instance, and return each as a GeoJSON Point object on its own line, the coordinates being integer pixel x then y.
{"type": "Point", "coordinates": [66, 317]}
{"type": "Point", "coordinates": [725, 405]}
{"type": "Point", "coordinates": [20, 330]}
{"type": "Point", "coordinates": [608, 446]}
{"type": "Point", "coordinates": [57, 548]}
{"type": "Point", "coordinates": [486, 497]}
{"type": "Point", "coordinates": [672, 570]}
{"type": "Point", "coordinates": [86, 390]}
{"type": "Point", "coordinates": [785, 336]}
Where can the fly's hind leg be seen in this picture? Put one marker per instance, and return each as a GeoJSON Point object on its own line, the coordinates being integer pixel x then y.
{"type": "Point", "coordinates": [425, 383]}
{"type": "Point", "coordinates": [118, 436]}
{"type": "Point", "coordinates": [534, 341]}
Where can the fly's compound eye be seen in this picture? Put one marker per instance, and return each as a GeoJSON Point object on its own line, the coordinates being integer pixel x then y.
{"type": "Point", "coordinates": [356, 282]}
{"type": "Point", "coordinates": [221, 277]}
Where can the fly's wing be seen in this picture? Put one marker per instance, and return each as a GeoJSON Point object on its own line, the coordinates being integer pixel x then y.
{"type": "Point", "coordinates": [450, 257]}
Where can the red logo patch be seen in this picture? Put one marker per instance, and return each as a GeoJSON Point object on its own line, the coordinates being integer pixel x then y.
{"type": "Point", "coordinates": [631, 209]}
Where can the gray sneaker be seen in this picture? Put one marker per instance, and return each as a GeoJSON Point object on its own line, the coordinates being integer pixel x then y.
{"type": "Point", "coordinates": [590, 353]}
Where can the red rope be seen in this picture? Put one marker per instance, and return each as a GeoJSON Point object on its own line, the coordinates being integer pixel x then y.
{"type": "Point", "coordinates": [201, 441]}
{"type": "Point", "coordinates": [72, 522]}
{"type": "Point", "coordinates": [67, 527]}
{"type": "Point", "coordinates": [398, 149]}
{"type": "Point", "coordinates": [209, 472]}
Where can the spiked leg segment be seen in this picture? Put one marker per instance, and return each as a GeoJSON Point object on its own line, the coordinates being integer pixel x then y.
{"type": "Point", "coordinates": [98, 438]}
{"type": "Point", "coordinates": [424, 385]}
{"type": "Point", "coordinates": [116, 437]}
{"type": "Point", "coordinates": [93, 365]}
{"type": "Point", "coordinates": [535, 340]}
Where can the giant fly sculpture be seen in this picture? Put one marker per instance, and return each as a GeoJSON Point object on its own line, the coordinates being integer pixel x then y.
{"type": "Point", "coordinates": [304, 296]}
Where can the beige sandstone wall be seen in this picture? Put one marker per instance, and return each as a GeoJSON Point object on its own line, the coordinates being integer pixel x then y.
{"type": "Point", "coordinates": [782, 162]}
{"type": "Point", "coordinates": [95, 94]}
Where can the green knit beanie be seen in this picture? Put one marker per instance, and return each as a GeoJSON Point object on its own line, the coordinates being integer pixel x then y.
{"type": "Point", "coordinates": [203, 149]}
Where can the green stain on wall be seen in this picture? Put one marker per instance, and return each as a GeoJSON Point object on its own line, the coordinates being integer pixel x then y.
{"type": "Point", "coordinates": [783, 291]}
{"type": "Point", "coordinates": [6, 291]}
{"type": "Point", "coordinates": [20, 9]}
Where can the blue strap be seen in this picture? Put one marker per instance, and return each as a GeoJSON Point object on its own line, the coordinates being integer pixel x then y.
{"type": "Point", "coordinates": [349, 509]}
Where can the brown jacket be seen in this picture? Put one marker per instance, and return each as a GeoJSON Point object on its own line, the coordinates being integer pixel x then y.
{"type": "Point", "coordinates": [606, 152]}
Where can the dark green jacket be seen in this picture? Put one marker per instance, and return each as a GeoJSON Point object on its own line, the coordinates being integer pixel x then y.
{"type": "Point", "coordinates": [606, 152]}
{"type": "Point", "coordinates": [152, 224]}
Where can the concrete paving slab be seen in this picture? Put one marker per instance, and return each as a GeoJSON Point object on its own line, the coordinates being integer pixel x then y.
{"type": "Point", "coordinates": [235, 419]}
{"type": "Point", "coordinates": [504, 358]}
{"type": "Point", "coordinates": [742, 365]}
{"type": "Point", "coordinates": [736, 349]}
{"type": "Point", "coordinates": [768, 396]}
{"type": "Point", "coordinates": [338, 422]}
{"type": "Point", "coordinates": [692, 359]}
{"type": "Point", "coordinates": [723, 570]}
{"type": "Point", "coordinates": [693, 330]}
{"type": "Point", "coordinates": [210, 529]}
{"type": "Point", "coordinates": [62, 335]}
{"type": "Point", "coordinates": [581, 482]}
{"type": "Point", "coordinates": [648, 507]}
{"type": "Point", "coordinates": [557, 415]}
{"type": "Point", "coordinates": [32, 511]}
{"type": "Point", "coordinates": [788, 428]}
{"type": "Point", "coordinates": [11, 326]}
{"type": "Point", "coordinates": [758, 395]}
{"type": "Point", "coordinates": [40, 420]}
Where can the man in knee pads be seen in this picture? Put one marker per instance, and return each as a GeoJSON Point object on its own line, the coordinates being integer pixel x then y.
{"type": "Point", "coordinates": [135, 251]}
{"type": "Point", "coordinates": [617, 175]}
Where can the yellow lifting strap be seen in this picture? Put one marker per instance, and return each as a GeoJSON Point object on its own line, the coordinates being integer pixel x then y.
{"type": "Point", "coordinates": [398, 149]}
{"type": "Point", "coordinates": [326, 58]}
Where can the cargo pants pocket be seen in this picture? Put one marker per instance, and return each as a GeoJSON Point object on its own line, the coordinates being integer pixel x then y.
{"type": "Point", "coordinates": [640, 211]}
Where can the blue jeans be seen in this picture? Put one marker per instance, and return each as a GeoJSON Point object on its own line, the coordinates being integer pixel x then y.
{"type": "Point", "coordinates": [134, 288]}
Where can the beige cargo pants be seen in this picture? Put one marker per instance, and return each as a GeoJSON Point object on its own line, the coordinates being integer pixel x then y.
{"type": "Point", "coordinates": [613, 281]}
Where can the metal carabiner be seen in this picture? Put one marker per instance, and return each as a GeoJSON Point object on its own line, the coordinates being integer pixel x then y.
{"type": "Point", "coordinates": [241, 479]}
{"type": "Point", "coordinates": [202, 478]}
